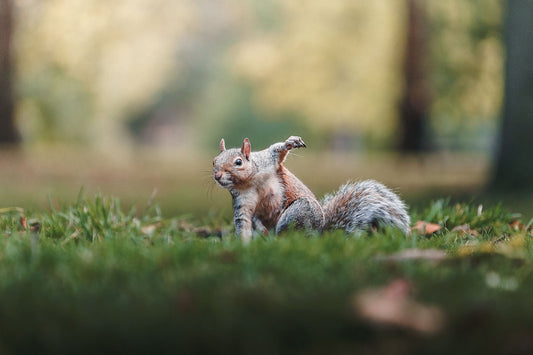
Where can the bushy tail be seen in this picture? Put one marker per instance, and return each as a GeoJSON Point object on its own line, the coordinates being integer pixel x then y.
{"type": "Point", "coordinates": [364, 205]}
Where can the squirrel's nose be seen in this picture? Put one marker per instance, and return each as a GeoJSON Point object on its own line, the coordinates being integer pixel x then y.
{"type": "Point", "coordinates": [218, 175]}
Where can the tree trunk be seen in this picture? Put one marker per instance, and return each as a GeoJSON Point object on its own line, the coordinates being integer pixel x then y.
{"type": "Point", "coordinates": [415, 101]}
{"type": "Point", "coordinates": [514, 162]}
{"type": "Point", "coordinates": [8, 132]}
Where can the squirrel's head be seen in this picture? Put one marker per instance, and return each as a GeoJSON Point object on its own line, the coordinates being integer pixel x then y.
{"type": "Point", "coordinates": [233, 167]}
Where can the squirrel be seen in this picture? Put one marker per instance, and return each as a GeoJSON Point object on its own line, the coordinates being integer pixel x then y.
{"type": "Point", "coordinates": [266, 195]}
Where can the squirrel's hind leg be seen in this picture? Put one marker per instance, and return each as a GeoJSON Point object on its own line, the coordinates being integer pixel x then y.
{"type": "Point", "coordinates": [303, 213]}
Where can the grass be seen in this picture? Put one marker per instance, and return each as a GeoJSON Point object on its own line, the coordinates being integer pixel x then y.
{"type": "Point", "coordinates": [95, 277]}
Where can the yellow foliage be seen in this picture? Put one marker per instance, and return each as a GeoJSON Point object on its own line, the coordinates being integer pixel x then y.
{"type": "Point", "coordinates": [334, 62]}
{"type": "Point", "coordinates": [120, 51]}
{"type": "Point", "coordinates": [465, 38]}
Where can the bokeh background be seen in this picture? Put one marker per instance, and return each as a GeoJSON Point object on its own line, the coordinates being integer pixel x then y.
{"type": "Point", "coordinates": [130, 98]}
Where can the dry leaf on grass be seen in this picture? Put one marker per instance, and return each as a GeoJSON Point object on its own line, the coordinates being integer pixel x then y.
{"type": "Point", "coordinates": [393, 305]}
{"type": "Point", "coordinates": [517, 225]}
{"type": "Point", "coordinates": [32, 224]}
{"type": "Point", "coordinates": [423, 227]}
{"type": "Point", "coordinates": [23, 222]}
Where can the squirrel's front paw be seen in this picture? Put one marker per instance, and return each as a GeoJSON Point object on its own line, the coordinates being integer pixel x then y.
{"type": "Point", "coordinates": [294, 142]}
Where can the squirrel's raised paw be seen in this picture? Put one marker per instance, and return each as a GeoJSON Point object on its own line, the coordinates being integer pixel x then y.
{"type": "Point", "coordinates": [294, 142]}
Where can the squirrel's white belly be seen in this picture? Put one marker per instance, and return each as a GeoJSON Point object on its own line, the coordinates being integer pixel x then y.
{"type": "Point", "coordinates": [270, 202]}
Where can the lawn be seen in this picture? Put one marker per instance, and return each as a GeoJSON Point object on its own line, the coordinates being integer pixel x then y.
{"type": "Point", "coordinates": [95, 276]}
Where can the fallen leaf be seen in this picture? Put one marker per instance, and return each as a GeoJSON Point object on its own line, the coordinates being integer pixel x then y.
{"type": "Point", "coordinates": [33, 225]}
{"type": "Point", "coordinates": [23, 222]}
{"type": "Point", "coordinates": [423, 227]}
{"type": "Point", "coordinates": [517, 225]}
{"type": "Point", "coordinates": [393, 305]}
{"type": "Point", "coordinates": [416, 254]}
{"type": "Point", "coordinates": [464, 229]}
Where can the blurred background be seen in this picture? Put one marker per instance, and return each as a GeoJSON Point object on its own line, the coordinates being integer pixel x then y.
{"type": "Point", "coordinates": [130, 98]}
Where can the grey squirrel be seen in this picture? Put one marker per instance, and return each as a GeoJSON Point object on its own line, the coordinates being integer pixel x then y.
{"type": "Point", "coordinates": [266, 195]}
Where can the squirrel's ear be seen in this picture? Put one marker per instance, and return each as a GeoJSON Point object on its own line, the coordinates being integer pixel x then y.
{"type": "Point", "coordinates": [222, 145]}
{"type": "Point", "coordinates": [246, 148]}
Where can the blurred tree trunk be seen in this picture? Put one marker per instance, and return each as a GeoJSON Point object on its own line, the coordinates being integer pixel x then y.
{"type": "Point", "coordinates": [8, 132]}
{"type": "Point", "coordinates": [415, 101]}
{"type": "Point", "coordinates": [514, 163]}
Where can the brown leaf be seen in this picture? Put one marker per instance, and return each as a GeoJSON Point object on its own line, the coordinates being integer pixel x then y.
{"type": "Point", "coordinates": [393, 305]}
{"type": "Point", "coordinates": [23, 222]}
{"type": "Point", "coordinates": [464, 229]}
{"type": "Point", "coordinates": [33, 225]}
{"type": "Point", "coordinates": [517, 225]}
{"type": "Point", "coordinates": [423, 227]}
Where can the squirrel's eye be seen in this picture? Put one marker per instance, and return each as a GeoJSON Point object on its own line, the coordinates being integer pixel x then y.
{"type": "Point", "coordinates": [238, 162]}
